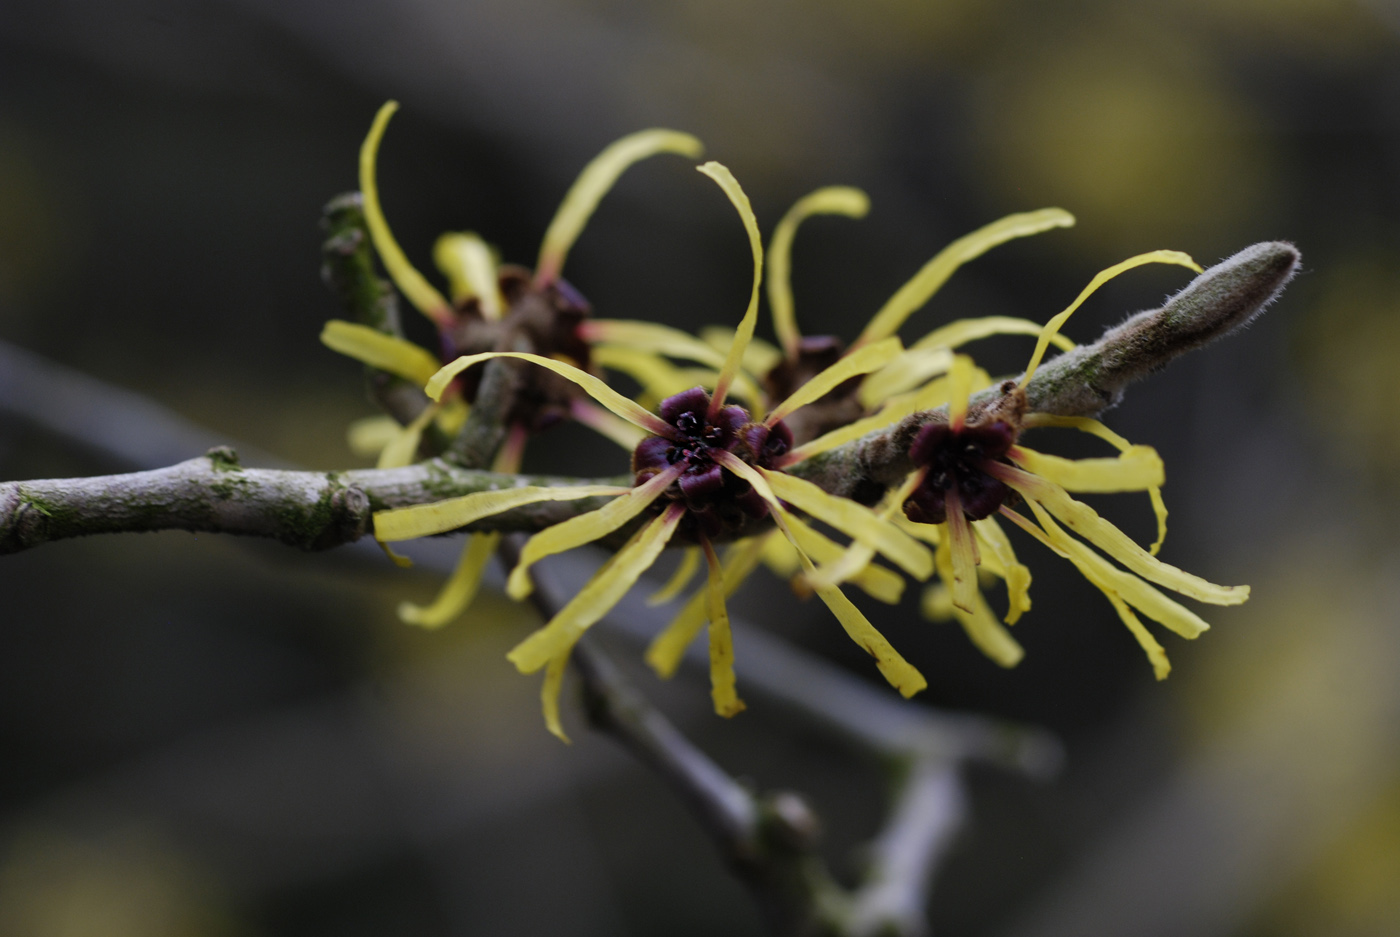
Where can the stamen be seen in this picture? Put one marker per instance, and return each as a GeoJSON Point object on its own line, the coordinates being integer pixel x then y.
{"type": "Point", "coordinates": [912, 295]}
{"type": "Point", "coordinates": [593, 183]}
{"type": "Point", "coordinates": [833, 200]}
{"type": "Point", "coordinates": [734, 359]}
{"type": "Point", "coordinates": [405, 276]}
{"type": "Point", "coordinates": [1102, 277]}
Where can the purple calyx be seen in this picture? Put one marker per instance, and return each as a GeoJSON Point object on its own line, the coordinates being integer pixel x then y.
{"type": "Point", "coordinates": [958, 458]}
{"type": "Point", "coordinates": [716, 500]}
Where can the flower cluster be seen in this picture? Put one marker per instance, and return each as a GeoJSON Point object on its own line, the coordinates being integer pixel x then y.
{"type": "Point", "coordinates": [722, 429]}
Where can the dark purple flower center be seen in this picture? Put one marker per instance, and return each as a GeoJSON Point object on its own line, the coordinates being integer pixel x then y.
{"type": "Point", "coordinates": [716, 500]}
{"type": "Point", "coordinates": [957, 459]}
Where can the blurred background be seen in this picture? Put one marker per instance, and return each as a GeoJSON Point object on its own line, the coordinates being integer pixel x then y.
{"type": "Point", "coordinates": [203, 736]}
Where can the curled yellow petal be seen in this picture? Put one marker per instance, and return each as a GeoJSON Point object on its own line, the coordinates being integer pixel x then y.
{"type": "Point", "coordinates": [912, 295]}
{"type": "Point", "coordinates": [1102, 277]}
{"type": "Point", "coordinates": [549, 695]}
{"type": "Point", "coordinates": [1094, 427]}
{"type": "Point", "coordinates": [861, 361]}
{"type": "Point", "coordinates": [977, 621]}
{"type": "Point", "coordinates": [854, 520]}
{"type": "Point", "coordinates": [1086, 522]}
{"type": "Point", "coordinates": [958, 333]}
{"type": "Point", "coordinates": [780, 556]}
{"type": "Point", "coordinates": [960, 377]}
{"type": "Point", "coordinates": [585, 528]}
{"type": "Point", "coordinates": [744, 333]}
{"type": "Point", "coordinates": [963, 552]}
{"type": "Point", "coordinates": [385, 352]}
{"type": "Point", "coordinates": [855, 563]}
{"type": "Point", "coordinates": [652, 336]}
{"type": "Point", "coordinates": [666, 650]}
{"type": "Point", "coordinates": [660, 379]}
{"type": "Point", "coordinates": [910, 369]}
{"type": "Point", "coordinates": [685, 571]}
{"type": "Point", "coordinates": [627, 409]}
{"type": "Point", "coordinates": [901, 674]}
{"type": "Point", "coordinates": [895, 409]}
{"type": "Point", "coordinates": [599, 594]}
{"type": "Point", "coordinates": [1156, 654]}
{"type": "Point", "coordinates": [832, 200]}
{"type": "Point", "coordinates": [606, 424]}
{"type": "Point", "coordinates": [600, 175]}
{"type": "Point", "coordinates": [405, 276]}
{"type": "Point", "coordinates": [469, 264]}
{"type": "Point", "coordinates": [722, 680]}
{"type": "Point", "coordinates": [461, 587]}
{"type": "Point", "coordinates": [846, 564]}
{"type": "Point", "coordinates": [1139, 468]}
{"type": "Point", "coordinates": [369, 435]}
{"type": "Point", "coordinates": [759, 357]}
{"type": "Point", "coordinates": [425, 520]}
{"type": "Point", "coordinates": [403, 448]}
{"type": "Point", "coordinates": [1017, 575]}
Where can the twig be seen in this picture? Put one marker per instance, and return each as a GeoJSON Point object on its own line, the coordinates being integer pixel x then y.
{"type": "Point", "coordinates": [1082, 382]}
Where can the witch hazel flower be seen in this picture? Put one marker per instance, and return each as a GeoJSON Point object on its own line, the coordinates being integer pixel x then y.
{"type": "Point", "coordinates": [707, 469]}
{"type": "Point", "coordinates": [493, 306]}
{"type": "Point", "coordinates": [970, 466]}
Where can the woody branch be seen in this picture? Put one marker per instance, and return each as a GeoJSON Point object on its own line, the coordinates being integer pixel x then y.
{"type": "Point", "coordinates": [318, 510]}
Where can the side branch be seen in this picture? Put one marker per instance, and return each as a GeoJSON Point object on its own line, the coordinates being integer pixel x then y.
{"type": "Point", "coordinates": [214, 494]}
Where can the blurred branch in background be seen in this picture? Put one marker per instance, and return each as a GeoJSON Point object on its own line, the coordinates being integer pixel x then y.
{"type": "Point", "coordinates": [769, 840]}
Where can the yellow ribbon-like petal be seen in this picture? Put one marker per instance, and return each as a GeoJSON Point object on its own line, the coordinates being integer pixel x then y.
{"type": "Point", "coordinates": [1102, 277]}
{"type": "Point", "coordinates": [832, 200]}
{"type": "Point", "coordinates": [977, 621]}
{"type": "Point", "coordinates": [549, 694]}
{"type": "Point", "coordinates": [585, 528]}
{"type": "Point", "coordinates": [744, 333]}
{"type": "Point", "coordinates": [1139, 468]}
{"type": "Point", "coordinates": [403, 448]}
{"type": "Point", "coordinates": [425, 520]}
{"type": "Point", "coordinates": [861, 361]}
{"type": "Point", "coordinates": [600, 175]}
{"type": "Point", "coordinates": [854, 520]}
{"type": "Point", "coordinates": [960, 377]}
{"type": "Point", "coordinates": [909, 370]}
{"type": "Point", "coordinates": [461, 587]}
{"type": "Point", "coordinates": [627, 409]}
{"type": "Point", "coordinates": [879, 583]}
{"type": "Point", "coordinates": [722, 680]}
{"type": "Point", "coordinates": [1086, 522]}
{"type": "Point", "coordinates": [599, 594]}
{"type": "Point", "coordinates": [901, 674]}
{"type": "Point", "coordinates": [685, 571]}
{"type": "Point", "coordinates": [850, 562]}
{"type": "Point", "coordinates": [606, 424]}
{"type": "Point", "coordinates": [1017, 575]}
{"type": "Point", "coordinates": [666, 650]}
{"type": "Point", "coordinates": [652, 336]}
{"type": "Point", "coordinates": [385, 352]}
{"type": "Point", "coordinates": [369, 435]}
{"type": "Point", "coordinates": [912, 295]}
{"type": "Point", "coordinates": [1086, 425]}
{"type": "Point", "coordinates": [470, 265]}
{"type": "Point", "coordinates": [660, 379]}
{"type": "Point", "coordinates": [406, 277]}
{"type": "Point", "coordinates": [959, 333]}
{"type": "Point", "coordinates": [759, 357]}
